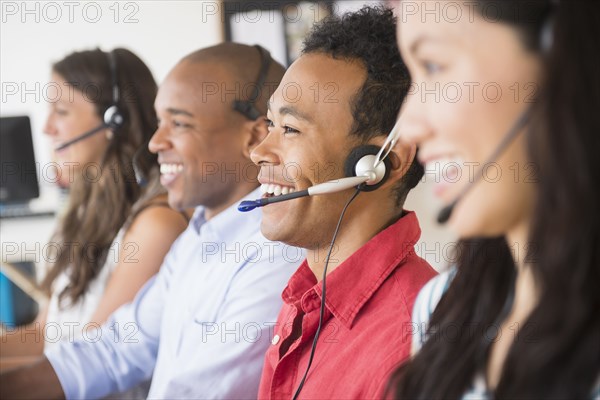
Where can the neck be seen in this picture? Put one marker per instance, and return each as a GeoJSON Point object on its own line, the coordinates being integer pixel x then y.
{"type": "Point", "coordinates": [360, 225]}
{"type": "Point", "coordinates": [526, 290]}
{"type": "Point", "coordinates": [517, 239]}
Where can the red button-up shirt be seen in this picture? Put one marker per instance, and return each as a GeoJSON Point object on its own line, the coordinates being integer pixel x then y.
{"type": "Point", "coordinates": [366, 331]}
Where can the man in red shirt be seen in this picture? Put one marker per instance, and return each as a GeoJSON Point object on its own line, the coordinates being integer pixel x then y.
{"type": "Point", "coordinates": [344, 91]}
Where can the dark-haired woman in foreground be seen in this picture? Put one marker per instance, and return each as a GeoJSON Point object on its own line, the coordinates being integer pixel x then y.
{"type": "Point", "coordinates": [519, 315]}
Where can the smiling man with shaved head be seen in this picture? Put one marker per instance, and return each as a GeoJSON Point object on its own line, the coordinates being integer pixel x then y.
{"type": "Point", "coordinates": [201, 326]}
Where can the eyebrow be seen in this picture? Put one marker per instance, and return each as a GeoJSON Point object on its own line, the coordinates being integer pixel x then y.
{"type": "Point", "coordinates": [419, 41]}
{"type": "Point", "coordinates": [178, 111]}
{"type": "Point", "coordinates": [291, 110]}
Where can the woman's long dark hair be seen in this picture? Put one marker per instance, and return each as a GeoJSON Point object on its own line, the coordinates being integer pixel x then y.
{"type": "Point", "coordinates": [99, 207]}
{"type": "Point", "coordinates": [557, 351]}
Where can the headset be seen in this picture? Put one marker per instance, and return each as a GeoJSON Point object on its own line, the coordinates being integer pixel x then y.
{"type": "Point", "coordinates": [362, 169]}
{"type": "Point", "coordinates": [366, 170]}
{"type": "Point", "coordinates": [112, 118]}
{"type": "Point", "coordinates": [245, 107]}
{"type": "Point", "coordinates": [248, 107]}
{"type": "Point", "coordinates": [546, 42]}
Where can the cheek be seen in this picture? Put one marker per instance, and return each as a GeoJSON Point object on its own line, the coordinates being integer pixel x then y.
{"type": "Point", "coordinates": [453, 123]}
{"type": "Point", "coordinates": [299, 166]}
{"type": "Point", "coordinates": [501, 199]}
{"type": "Point", "coordinates": [471, 124]}
{"type": "Point", "coordinates": [90, 150]}
{"type": "Point", "coordinates": [491, 210]}
{"type": "Point", "coordinates": [327, 164]}
{"type": "Point", "coordinates": [67, 129]}
{"type": "Point", "coordinates": [208, 162]}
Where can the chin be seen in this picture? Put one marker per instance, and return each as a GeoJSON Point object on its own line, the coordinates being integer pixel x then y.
{"type": "Point", "coordinates": [466, 222]}
{"type": "Point", "coordinates": [63, 183]}
{"type": "Point", "coordinates": [269, 231]}
{"type": "Point", "coordinates": [474, 226]}
{"type": "Point", "coordinates": [273, 233]}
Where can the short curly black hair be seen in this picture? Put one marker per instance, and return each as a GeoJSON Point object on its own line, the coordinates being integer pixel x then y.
{"type": "Point", "coordinates": [369, 35]}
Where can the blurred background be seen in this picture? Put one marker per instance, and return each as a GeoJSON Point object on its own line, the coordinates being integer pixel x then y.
{"type": "Point", "coordinates": [35, 34]}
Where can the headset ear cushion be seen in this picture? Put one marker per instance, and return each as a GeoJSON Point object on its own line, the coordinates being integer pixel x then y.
{"type": "Point", "coordinates": [113, 117]}
{"type": "Point", "coordinates": [356, 155]}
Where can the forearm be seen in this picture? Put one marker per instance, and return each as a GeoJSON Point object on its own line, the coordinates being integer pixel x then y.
{"type": "Point", "coordinates": [35, 381]}
{"type": "Point", "coordinates": [22, 341]}
{"type": "Point", "coordinates": [114, 357]}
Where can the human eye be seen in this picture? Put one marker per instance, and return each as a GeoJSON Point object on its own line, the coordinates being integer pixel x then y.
{"type": "Point", "coordinates": [431, 68]}
{"type": "Point", "coordinates": [288, 130]}
{"type": "Point", "coordinates": [180, 124]}
{"type": "Point", "coordinates": [59, 109]}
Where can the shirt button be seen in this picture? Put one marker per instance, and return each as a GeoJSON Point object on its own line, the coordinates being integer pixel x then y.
{"type": "Point", "coordinates": [275, 340]}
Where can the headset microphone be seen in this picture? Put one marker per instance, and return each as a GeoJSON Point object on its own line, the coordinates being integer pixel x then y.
{"type": "Point", "coordinates": [446, 212]}
{"type": "Point", "coordinates": [112, 118]}
{"type": "Point", "coordinates": [323, 188]}
{"type": "Point", "coordinates": [360, 162]}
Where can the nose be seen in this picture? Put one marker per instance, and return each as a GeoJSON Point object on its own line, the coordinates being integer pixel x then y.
{"type": "Point", "coordinates": [159, 140]}
{"type": "Point", "coordinates": [414, 127]}
{"type": "Point", "coordinates": [49, 126]}
{"type": "Point", "coordinates": [265, 151]}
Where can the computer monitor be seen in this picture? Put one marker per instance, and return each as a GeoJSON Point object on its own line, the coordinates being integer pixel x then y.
{"type": "Point", "coordinates": [18, 172]}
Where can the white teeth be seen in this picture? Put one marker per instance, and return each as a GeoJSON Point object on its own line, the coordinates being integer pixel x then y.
{"type": "Point", "coordinates": [171, 168]}
{"type": "Point", "coordinates": [275, 190]}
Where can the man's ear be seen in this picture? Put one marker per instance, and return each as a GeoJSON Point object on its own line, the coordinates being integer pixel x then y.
{"type": "Point", "coordinates": [256, 132]}
{"type": "Point", "coordinates": [401, 158]}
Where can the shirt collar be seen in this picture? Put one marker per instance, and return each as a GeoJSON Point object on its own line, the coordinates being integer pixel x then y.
{"type": "Point", "coordinates": [355, 281]}
{"type": "Point", "coordinates": [226, 225]}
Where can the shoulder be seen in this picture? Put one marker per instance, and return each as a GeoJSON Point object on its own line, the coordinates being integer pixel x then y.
{"type": "Point", "coordinates": [413, 273]}
{"type": "Point", "coordinates": [425, 304]}
{"type": "Point", "coordinates": [151, 234]}
{"type": "Point", "coordinates": [156, 217]}
{"type": "Point", "coordinates": [263, 259]}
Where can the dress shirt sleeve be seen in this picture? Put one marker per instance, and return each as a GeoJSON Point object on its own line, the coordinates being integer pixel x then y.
{"type": "Point", "coordinates": [122, 352]}
{"type": "Point", "coordinates": [238, 336]}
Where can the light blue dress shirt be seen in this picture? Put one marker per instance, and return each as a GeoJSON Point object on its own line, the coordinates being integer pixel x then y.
{"type": "Point", "coordinates": [200, 327]}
